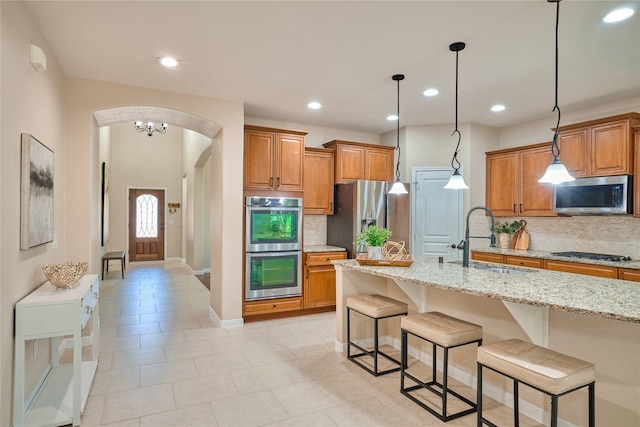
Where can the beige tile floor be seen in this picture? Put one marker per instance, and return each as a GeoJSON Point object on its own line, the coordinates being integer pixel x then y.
{"type": "Point", "coordinates": [164, 363]}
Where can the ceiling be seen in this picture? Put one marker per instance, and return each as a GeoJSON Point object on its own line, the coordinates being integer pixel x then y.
{"type": "Point", "coordinates": [275, 57]}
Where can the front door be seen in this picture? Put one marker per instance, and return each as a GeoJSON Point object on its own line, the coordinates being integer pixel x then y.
{"type": "Point", "coordinates": [437, 213]}
{"type": "Point", "coordinates": [146, 225]}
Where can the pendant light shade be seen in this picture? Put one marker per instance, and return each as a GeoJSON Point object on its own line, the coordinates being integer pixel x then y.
{"type": "Point", "coordinates": [398, 186]}
{"type": "Point", "coordinates": [456, 182]}
{"type": "Point", "coordinates": [556, 172]}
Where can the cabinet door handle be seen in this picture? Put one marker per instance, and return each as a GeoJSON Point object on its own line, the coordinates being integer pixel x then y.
{"type": "Point", "coordinates": [330, 206]}
{"type": "Point", "coordinates": [271, 182]}
{"type": "Point", "coordinates": [278, 182]}
{"type": "Point", "coordinates": [306, 274]}
{"type": "Point", "coordinates": [514, 207]}
{"type": "Point", "coordinates": [520, 207]}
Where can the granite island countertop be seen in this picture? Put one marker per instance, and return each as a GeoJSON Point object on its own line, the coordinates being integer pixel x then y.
{"type": "Point", "coordinates": [633, 264]}
{"type": "Point", "coordinates": [589, 295]}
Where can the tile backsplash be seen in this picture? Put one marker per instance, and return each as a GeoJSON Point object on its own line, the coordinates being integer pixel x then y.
{"type": "Point", "coordinates": [611, 234]}
{"type": "Point", "coordinates": [315, 229]}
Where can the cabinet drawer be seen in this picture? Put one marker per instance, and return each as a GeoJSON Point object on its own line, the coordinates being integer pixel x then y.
{"type": "Point", "coordinates": [629, 274]}
{"type": "Point", "coordinates": [324, 258]}
{"type": "Point", "coordinates": [273, 306]}
{"type": "Point", "coordinates": [524, 261]}
{"type": "Point", "coordinates": [578, 268]}
{"type": "Point", "coordinates": [483, 256]}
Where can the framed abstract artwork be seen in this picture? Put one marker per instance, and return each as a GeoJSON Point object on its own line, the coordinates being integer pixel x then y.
{"type": "Point", "coordinates": [36, 193]}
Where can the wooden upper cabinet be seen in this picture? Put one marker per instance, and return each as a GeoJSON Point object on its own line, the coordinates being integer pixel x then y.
{"type": "Point", "coordinates": [502, 183]}
{"type": "Point", "coordinates": [512, 181]}
{"type": "Point", "coordinates": [600, 147]}
{"type": "Point", "coordinates": [574, 151]}
{"type": "Point", "coordinates": [318, 181]}
{"type": "Point", "coordinates": [355, 160]}
{"type": "Point", "coordinates": [379, 164]}
{"type": "Point", "coordinates": [273, 159]}
{"type": "Point", "coordinates": [536, 199]}
{"type": "Point", "coordinates": [349, 163]}
{"type": "Point", "coordinates": [636, 195]}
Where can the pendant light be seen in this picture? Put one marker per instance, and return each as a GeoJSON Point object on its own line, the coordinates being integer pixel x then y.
{"type": "Point", "coordinates": [556, 172]}
{"type": "Point", "coordinates": [398, 186]}
{"type": "Point", "coordinates": [456, 182]}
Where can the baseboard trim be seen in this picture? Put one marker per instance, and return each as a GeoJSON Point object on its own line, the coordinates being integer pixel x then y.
{"type": "Point", "coordinates": [224, 323]}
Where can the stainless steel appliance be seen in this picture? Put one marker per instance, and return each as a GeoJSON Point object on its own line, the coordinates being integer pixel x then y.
{"type": "Point", "coordinates": [362, 203]}
{"type": "Point", "coordinates": [273, 247]}
{"type": "Point", "coordinates": [589, 255]}
{"type": "Point", "coordinates": [594, 196]}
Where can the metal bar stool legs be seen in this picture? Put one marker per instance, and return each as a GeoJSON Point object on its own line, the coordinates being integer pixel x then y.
{"type": "Point", "coordinates": [375, 307]}
{"type": "Point", "coordinates": [444, 332]}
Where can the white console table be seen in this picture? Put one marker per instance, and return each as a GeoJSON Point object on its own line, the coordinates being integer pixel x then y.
{"type": "Point", "coordinates": [49, 312]}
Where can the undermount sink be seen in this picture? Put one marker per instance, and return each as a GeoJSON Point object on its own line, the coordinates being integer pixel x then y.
{"type": "Point", "coordinates": [495, 268]}
{"type": "Point", "coordinates": [499, 269]}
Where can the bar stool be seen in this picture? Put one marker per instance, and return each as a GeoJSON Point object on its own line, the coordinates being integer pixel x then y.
{"type": "Point", "coordinates": [548, 371]}
{"type": "Point", "coordinates": [442, 331]}
{"type": "Point", "coordinates": [376, 307]}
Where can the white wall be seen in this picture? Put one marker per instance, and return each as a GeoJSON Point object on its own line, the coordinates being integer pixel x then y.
{"type": "Point", "coordinates": [316, 136]}
{"type": "Point", "coordinates": [31, 102]}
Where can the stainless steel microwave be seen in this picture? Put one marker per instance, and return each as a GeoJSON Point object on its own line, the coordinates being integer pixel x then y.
{"type": "Point", "coordinates": [610, 195]}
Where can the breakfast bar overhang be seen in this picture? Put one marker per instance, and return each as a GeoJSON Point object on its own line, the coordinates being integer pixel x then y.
{"type": "Point", "coordinates": [591, 318]}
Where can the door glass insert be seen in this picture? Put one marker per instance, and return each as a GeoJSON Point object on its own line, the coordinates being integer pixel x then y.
{"type": "Point", "coordinates": [146, 216]}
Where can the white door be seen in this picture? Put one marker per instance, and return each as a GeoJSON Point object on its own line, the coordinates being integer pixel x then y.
{"type": "Point", "coordinates": [437, 213]}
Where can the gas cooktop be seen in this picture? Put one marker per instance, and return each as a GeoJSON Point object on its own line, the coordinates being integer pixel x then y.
{"type": "Point", "coordinates": [588, 255]}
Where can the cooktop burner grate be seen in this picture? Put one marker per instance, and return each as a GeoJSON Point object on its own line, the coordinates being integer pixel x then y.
{"type": "Point", "coordinates": [588, 255]}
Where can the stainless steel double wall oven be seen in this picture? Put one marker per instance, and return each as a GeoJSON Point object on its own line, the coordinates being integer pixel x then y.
{"type": "Point", "coordinates": [273, 247]}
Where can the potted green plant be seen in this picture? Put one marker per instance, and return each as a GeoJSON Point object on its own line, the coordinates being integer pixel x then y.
{"type": "Point", "coordinates": [373, 237]}
{"type": "Point", "coordinates": [504, 230]}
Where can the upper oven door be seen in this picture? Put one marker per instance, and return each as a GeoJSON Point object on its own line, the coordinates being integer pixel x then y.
{"type": "Point", "coordinates": [272, 229]}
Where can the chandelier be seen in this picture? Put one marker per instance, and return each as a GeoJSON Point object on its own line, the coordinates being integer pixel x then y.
{"type": "Point", "coordinates": [149, 127]}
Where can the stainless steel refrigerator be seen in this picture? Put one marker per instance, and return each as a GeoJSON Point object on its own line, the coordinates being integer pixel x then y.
{"type": "Point", "coordinates": [362, 203]}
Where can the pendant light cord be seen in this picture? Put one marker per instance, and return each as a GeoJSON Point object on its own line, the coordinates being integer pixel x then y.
{"type": "Point", "coordinates": [455, 153]}
{"type": "Point", "coordinates": [397, 78]}
{"type": "Point", "coordinates": [555, 150]}
{"type": "Point", "coordinates": [398, 136]}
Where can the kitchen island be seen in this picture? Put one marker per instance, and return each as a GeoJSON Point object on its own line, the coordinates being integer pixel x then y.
{"type": "Point", "coordinates": [591, 318]}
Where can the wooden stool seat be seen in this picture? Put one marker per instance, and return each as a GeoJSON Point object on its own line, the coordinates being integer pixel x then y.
{"type": "Point", "coordinates": [113, 256]}
{"type": "Point", "coordinates": [548, 371]}
{"type": "Point", "coordinates": [375, 307]}
{"type": "Point", "coordinates": [442, 331]}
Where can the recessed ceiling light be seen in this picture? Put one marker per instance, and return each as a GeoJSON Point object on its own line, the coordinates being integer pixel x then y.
{"type": "Point", "coordinates": [392, 117]}
{"type": "Point", "coordinates": [430, 92]}
{"type": "Point", "coordinates": [168, 61]}
{"type": "Point", "coordinates": [618, 15]}
{"type": "Point", "coordinates": [314, 105]}
{"type": "Point", "coordinates": [498, 107]}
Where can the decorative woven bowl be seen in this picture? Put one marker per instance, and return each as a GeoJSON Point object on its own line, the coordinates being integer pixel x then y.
{"type": "Point", "coordinates": [65, 275]}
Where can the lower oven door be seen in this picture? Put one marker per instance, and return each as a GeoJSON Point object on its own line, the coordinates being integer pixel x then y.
{"type": "Point", "coordinates": [273, 275]}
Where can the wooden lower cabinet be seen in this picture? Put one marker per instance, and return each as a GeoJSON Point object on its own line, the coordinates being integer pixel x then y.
{"type": "Point", "coordinates": [524, 261]}
{"type": "Point", "coordinates": [629, 274]}
{"type": "Point", "coordinates": [579, 268]}
{"type": "Point", "coordinates": [272, 306]}
{"type": "Point", "coordinates": [483, 256]}
{"type": "Point", "coordinates": [320, 279]}
{"type": "Point", "coordinates": [565, 266]}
